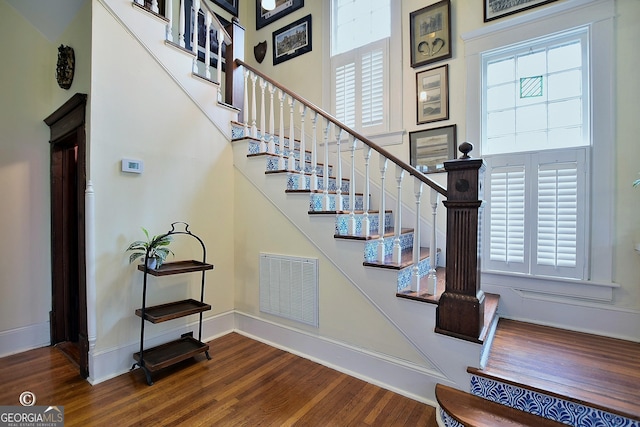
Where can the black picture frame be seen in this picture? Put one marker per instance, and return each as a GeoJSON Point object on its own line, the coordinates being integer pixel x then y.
{"type": "Point", "coordinates": [283, 8]}
{"type": "Point", "coordinates": [495, 9]}
{"type": "Point", "coordinates": [213, 35]}
{"type": "Point", "coordinates": [292, 40]}
{"type": "Point", "coordinates": [230, 6]}
{"type": "Point", "coordinates": [430, 148]}
{"type": "Point", "coordinates": [430, 33]}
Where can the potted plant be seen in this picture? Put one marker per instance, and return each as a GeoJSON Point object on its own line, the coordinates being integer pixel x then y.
{"type": "Point", "coordinates": [154, 248]}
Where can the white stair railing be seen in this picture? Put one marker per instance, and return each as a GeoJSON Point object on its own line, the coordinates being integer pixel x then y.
{"type": "Point", "coordinates": [296, 152]}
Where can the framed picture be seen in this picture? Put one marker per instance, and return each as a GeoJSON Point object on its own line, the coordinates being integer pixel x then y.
{"type": "Point", "coordinates": [430, 33]}
{"type": "Point", "coordinates": [230, 6]}
{"type": "Point", "coordinates": [213, 36]}
{"type": "Point", "coordinates": [494, 9]}
{"type": "Point", "coordinates": [430, 148]}
{"type": "Point", "coordinates": [292, 40]}
{"type": "Point", "coordinates": [283, 8]}
{"type": "Point", "coordinates": [432, 89]}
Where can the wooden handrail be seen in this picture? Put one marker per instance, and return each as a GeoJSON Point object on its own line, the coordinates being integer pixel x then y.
{"type": "Point", "coordinates": [410, 169]}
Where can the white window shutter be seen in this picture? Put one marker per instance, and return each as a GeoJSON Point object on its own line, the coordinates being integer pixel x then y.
{"type": "Point", "coordinates": [373, 88]}
{"type": "Point", "coordinates": [506, 218]}
{"type": "Point", "coordinates": [345, 93]}
{"type": "Point", "coordinates": [561, 208]}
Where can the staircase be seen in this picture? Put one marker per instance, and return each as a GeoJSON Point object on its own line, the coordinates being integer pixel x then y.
{"type": "Point", "coordinates": [401, 254]}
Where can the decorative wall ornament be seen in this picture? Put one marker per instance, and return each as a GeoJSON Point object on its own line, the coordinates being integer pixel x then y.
{"type": "Point", "coordinates": [65, 67]}
{"type": "Point", "coordinates": [259, 51]}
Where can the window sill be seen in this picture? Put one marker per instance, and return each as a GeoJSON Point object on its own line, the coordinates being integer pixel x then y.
{"type": "Point", "coordinates": [566, 288]}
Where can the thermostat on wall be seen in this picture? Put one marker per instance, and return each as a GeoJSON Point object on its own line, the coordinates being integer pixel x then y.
{"type": "Point", "coordinates": [133, 166]}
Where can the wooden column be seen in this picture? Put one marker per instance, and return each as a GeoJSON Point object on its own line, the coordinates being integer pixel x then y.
{"type": "Point", "coordinates": [460, 311]}
{"type": "Point", "coordinates": [234, 83]}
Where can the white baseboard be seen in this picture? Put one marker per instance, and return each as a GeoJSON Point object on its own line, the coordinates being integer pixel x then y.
{"type": "Point", "coordinates": [399, 376]}
{"type": "Point", "coordinates": [25, 338]}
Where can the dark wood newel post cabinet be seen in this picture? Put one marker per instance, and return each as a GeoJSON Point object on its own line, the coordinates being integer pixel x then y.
{"type": "Point", "coordinates": [460, 311]}
{"type": "Point", "coordinates": [187, 346]}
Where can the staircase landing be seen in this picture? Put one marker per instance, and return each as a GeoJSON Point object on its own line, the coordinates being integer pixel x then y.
{"type": "Point", "coordinates": [590, 370]}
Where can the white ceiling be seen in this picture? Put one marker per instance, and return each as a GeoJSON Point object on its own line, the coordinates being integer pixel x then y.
{"type": "Point", "coordinates": [50, 17]}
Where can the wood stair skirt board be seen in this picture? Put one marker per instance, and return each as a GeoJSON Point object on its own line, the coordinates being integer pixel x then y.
{"type": "Point", "coordinates": [458, 408]}
{"type": "Point", "coordinates": [575, 378]}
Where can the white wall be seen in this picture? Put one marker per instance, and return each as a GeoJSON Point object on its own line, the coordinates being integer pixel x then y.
{"type": "Point", "coordinates": [139, 112]}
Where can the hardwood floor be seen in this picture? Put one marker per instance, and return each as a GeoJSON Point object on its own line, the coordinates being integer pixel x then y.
{"type": "Point", "coordinates": [599, 371]}
{"type": "Point", "coordinates": [247, 383]}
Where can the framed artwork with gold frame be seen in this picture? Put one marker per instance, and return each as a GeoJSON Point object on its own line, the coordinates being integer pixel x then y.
{"type": "Point", "coordinates": [430, 33]}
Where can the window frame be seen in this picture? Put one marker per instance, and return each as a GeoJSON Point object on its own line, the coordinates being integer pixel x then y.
{"type": "Point", "coordinates": [598, 16]}
{"type": "Point", "coordinates": [390, 133]}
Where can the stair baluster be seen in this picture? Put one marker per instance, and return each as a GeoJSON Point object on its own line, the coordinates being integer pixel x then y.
{"type": "Point", "coordinates": [219, 70]}
{"type": "Point", "coordinates": [352, 188]}
{"type": "Point", "coordinates": [207, 45]}
{"type": "Point", "coordinates": [366, 222]}
{"type": "Point", "coordinates": [433, 248]}
{"type": "Point", "coordinates": [181, 28]}
{"type": "Point", "coordinates": [397, 249]}
{"type": "Point", "coordinates": [245, 109]}
{"type": "Point", "coordinates": [291, 165]}
{"type": "Point", "coordinates": [415, 275]}
{"type": "Point", "coordinates": [263, 119]}
{"type": "Point", "coordinates": [313, 184]}
{"type": "Point", "coordinates": [384, 162]}
{"type": "Point", "coordinates": [271, 147]}
{"type": "Point", "coordinates": [302, 181]}
{"type": "Point", "coordinates": [168, 13]}
{"type": "Point", "coordinates": [194, 34]}
{"type": "Point", "coordinates": [325, 169]}
{"type": "Point", "coordinates": [254, 128]}
{"type": "Point", "coordinates": [339, 203]}
{"type": "Point", "coordinates": [154, 6]}
{"type": "Point", "coordinates": [281, 162]}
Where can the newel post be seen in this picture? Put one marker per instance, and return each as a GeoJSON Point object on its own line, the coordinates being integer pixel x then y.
{"type": "Point", "coordinates": [234, 76]}
{"type": "Point", "coordinates": [460, 311]}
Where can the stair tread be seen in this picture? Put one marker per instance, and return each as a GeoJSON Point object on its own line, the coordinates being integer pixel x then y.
{"type": "Point", "coordinates": [592, 370]}
{"type": "Point", "coordinates": [406, 258]}
{"type": "Point", "coordinates": [475, 411]}
{"type": "Point", "coordinates": [422, 294]}
{"type": "Point", "coordinates": [389, 232]}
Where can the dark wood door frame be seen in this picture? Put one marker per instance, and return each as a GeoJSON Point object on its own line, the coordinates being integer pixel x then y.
{"type": "Point", "coordinates": [68, 262]}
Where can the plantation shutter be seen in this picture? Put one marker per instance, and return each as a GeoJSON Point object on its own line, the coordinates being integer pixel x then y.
{"type": "Point", "coordinates": [373, 88]}
{"type": "Point", "coordinates": [345, 93]}
{"type": "Point", "coordinates": [506, 215]}
{"type": "Point", "coordinates": [536, 213]}
{"type": "Point", "coordinates": [560, 214]}
{"type": "Point", "coordinates": [360, 87]}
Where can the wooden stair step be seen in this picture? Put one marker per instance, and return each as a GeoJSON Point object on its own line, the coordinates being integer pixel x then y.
{"type": "Point", "coordinates": [406, 257]}
{"type": "Point", "coordinates": [591, 370]}
{"type": "Point", "coordinates": [474, 411]}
